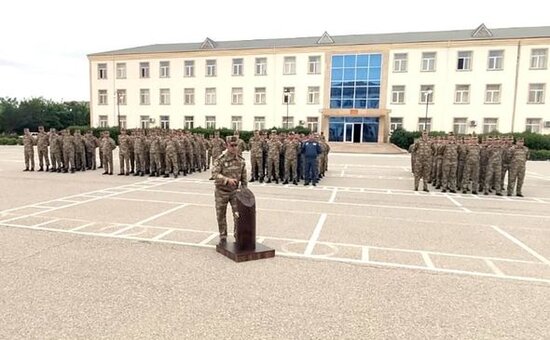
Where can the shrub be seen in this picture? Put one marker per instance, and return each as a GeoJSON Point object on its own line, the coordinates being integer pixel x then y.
{"type": "Point", "coordinates": [539, 155]}
{"type": "Point", "coordinates": [10, 141]}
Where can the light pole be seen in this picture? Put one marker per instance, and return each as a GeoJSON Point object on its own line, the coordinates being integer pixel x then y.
{"type": "Point", "coordinates": [428, 93]}
{"type": "Point", "coordinates": [118, 97]}
{"type": "Point", "coordinates": [287, 99]}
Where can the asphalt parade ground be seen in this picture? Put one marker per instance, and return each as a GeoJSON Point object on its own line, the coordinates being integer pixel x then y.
{"type": "Point", "coordinates": [361, 255]}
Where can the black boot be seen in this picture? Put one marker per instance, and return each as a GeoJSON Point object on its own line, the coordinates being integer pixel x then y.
{"type": "Point", "coordinates": [285, 182]}
{"type": "Point", "coordinates": [251, 180]}
{"type": "Point", "coordinates": [294, 182]}
{"type": "Point", "coordinates": [26, 169]}
{"type": "Point", "coordinates": [41, 169]}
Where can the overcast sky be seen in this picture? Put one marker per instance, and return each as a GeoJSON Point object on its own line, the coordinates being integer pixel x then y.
{"type": "Point", "coordinates": [44, 43]}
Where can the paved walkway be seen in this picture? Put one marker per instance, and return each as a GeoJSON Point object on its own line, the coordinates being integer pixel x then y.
{"type": "Point", "coordinates": [365, 148]}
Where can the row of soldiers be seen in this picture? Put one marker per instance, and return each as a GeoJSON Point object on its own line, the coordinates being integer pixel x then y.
{"type": "Point", "coordinates": [156, 152]}
{"type": "Point", "coordinates": [456, 164]}
{"type": "Point", "coordinates": [288, 157]}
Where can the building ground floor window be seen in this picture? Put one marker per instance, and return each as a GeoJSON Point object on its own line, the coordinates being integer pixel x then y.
{"type": "Point", "coordinates": [459, 125]}
{"type": "Point", "coordinates": [144, 122]}
{"type": "Point", "coordinates": [103, 122]}
{"type": "Point", "coordinates": [164, 122]}
{"type": "Point", "coordinates": [396, 123]}
{"type": "Point", "coordinates": [313, 124]}
{"type": "Point", "coordinates": [424, 124]}
{"type": "Point", "coordinates": [533, 125]}
{"type": "Point", "coordinates": [354, 129]}
{"type": "Point", "coordinates": [122, 122]}
{"type": "Point", "coordinates": [189, 122]}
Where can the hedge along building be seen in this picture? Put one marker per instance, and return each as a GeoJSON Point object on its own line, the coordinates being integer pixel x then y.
{"type": "Point", "coordinates": [354, 88]}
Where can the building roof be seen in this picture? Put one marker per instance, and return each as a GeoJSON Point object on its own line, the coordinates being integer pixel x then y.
{"type": "Point", "coordinates": [480, 33]}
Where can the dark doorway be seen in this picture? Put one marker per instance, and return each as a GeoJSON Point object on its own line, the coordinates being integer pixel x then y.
{"type": "Point", "coordinates": [357, 133]}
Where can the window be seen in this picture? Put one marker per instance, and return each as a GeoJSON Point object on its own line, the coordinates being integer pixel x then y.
{"type": "Point", "coordinates": [490, 125]}
{"type": "Point", "coordinates": [164, 69]}
{"type": "Point", "coordinates": [492, 94]}
{"type": "Point", "coordinates": [164, 97]}
{"type": "Point", "coordinates": [396, 123]}
{"type": "Point", "coordinates": [259, 123]}
{"type": "Point", "coordinates": [314, 65]}
{"type": "Point", "coordinates": [427, 94]}
{"type": "Point", "coordinates": [165, 122]}
{"type": "Point", "coordinates": [121, 70]}
{"type": "Point", "coordinates": [121, 96]}
{"type": "Point", "coordinates": [189, 122]}
{"type": "Point", "coordinates": [289, 66]}
{"type": "Point", "coordinates": [144, 122]}
{"type": "Point", "coordinates": [238, 66]}
{"type": "Point", "coordinates": [533, 125]}
{"type": "Point", "coordinates": [237, 123]}
{"type": "Point", "coordinates": [122, 120]}
{"type": "Point", "coordinates": [144, 70]}
{"type": "Point", "coordinates": [459, 125]}
{"type": "Point", "coordinates": [189, 68]}
{"type": "Point", "coordinates": [189, 96]}
{"type": "Point", "coordinates": [144, 97]}
{"type": "Point", "coordinates": [536, 93]}
{"type": "Point", "coordinates": [539, 58]}
{"type": "Point", "coordinates": [496, 58]}
{"type": "Point", "coordinates": [462, 94]}
{"type": "Point", "coordinates": [259, 95]}
{"type": "Point", "coordinates": [288, 122]}
{"type": "Point", "coordinates": [101, 71]}
{"type": "Point", "coordinates": [102, 97]}
{"type": "Point", "coordinates": [237, 95]}
{"type": "Point", "coordinates": [289, 95]}
{"type": "Point", "coordinates": [210, 96]}
{"type": "Point", "coordinates": [400, 62]}
{"type": "Point", "coordinates": [261, 66]}
{"type": "Point", "coordinates": [313, 124]}
{"type": "Point", "coordinates": [103, 121]}
{"type": "Point", "coordinates": [464, 62]}
{"type": "Point", "coordinates": [424, 124]}
{"type": "Point", "coordinates": [210, 122]}
{"type": "Point", "coordinates": [355, 81]}
{"type": "Point", "coordinates": [428, 61]}
{"type": "Point", "coordinates": [398, 94]}
{"type": "Point", "coordinates": [211, 68]}
{"type": "Point", "coordinates": [313, 95]}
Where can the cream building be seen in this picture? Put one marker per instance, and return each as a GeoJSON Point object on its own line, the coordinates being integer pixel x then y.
{"type": "Point", "coordinates": [354, 88]}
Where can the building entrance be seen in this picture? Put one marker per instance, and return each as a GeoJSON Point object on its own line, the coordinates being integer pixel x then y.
{"type": "Point", "coordinates": [353, 129]}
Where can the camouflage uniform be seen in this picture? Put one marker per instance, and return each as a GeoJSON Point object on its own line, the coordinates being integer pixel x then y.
{"type": "Point", "coordinates": [139, 154]}
{"type": "Point", "coordinates": [218, 146]}
{"type": "Point", "coordinates": [107, 145]}
{"type": "Point", "coordinates": [291, 148]}
{"type": "Point", "coordinates": [438, 173]}
{"type": "Point", "coordinates": [471, 167]}
{"type": "Point", "coordinates": [172, 151]}
{"type": "Point", "coordinates": [154, 155]}
{"type": "Point", "coordinates": [68, 152]}
{"type": "Point", "coordinates": [225, 167]}
{"type": "Point", "coordinates": [256, 158]}
{"type": "Point", "coordinates": [506, 160]}
{"type": "Point", "coordinates": [124, 153]}
{"type": "Point", "coordinates": [449, 165]}
{"type": "Point", "coordinates": [55, 151]}
{"type": "Point", "coordinates": [494, 168]}
{"type": "Point", "coordinates": [422, 152]}
{"type": "Point", "coordinates": [42, 143]}
{"type": "Point", "coordinates": [91, 142]}
{"type": "Point", "coordinates": [483, 160]}
{"type": "Point", "coordinates": [28, 147]}
{"type": "Point", "coordinates": [79, 151]}
{"type": "Point", "coordinates": [519, 155]}
{"type": "Point", "coordinates": [461, 162]}
{"type": "Point", "coordinates": [273, 154]}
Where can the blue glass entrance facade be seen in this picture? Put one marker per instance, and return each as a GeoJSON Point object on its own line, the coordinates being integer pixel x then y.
{"type": "Point", "coordinates": [353, 129]}
{"type": "Point", "coordinates": [355, 81]}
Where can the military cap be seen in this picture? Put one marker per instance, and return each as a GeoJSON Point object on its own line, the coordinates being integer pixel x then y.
{"type": "Point", "coordinates": [231, 139]}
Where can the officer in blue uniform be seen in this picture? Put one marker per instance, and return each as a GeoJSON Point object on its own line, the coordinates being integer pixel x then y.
{"type": "Point", "coordinates": [311, 150]}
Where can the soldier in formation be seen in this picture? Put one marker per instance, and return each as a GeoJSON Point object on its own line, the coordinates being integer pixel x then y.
{"type": "Point", "coordinates": [453, 164]}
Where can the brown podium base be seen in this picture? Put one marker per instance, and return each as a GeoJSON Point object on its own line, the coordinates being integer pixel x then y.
{"type": "Point", "coordinates": [230, 250]}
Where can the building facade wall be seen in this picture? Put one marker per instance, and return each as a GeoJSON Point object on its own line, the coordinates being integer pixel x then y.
{"type": "Point", "coordinates": [513, 110]}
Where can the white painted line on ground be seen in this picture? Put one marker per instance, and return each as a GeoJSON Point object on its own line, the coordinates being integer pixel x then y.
{"type": "Point", "coordinates": [455, 202]}
{"type": "Point", "coordinates": [333, 195]}
{"type": "Point", "coordinates": [47, 222]}
{"type": "Point", "coordinates": [365, 254]}
{"type": "Point", "coordinates": [315, 235]}
{"type": "Point", "coordinates": [160, 214]}
{"type": "Point", "coordinates": [494, 268]}
{"type": "Point", "coordinates": [539, 200]}
{"type": "Point", "coordinates": [209, 238]}
{"type": "Point", "coordinates": [118, 232]}
{"type": "Point", "coordinates": [427, 260]}
{"type": "Point", "coordinates": [522, 245]}
{"type": "Point", "coordinates": [82, 226]}
{"type": "Point", "coordinates": [161, 235]}
{"type": "Point", "coordinates": [260, 239]}
{"type": "Point", "coordinates": [342, 173]}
